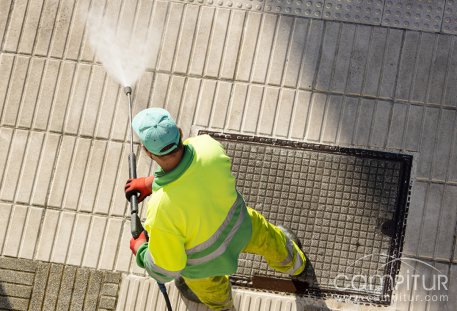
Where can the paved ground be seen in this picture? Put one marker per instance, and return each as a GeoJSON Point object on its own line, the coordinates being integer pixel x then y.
{"type": "Point", "coordinates": [369, 74]}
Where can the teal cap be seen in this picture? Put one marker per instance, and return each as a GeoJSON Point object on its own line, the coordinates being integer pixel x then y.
{"type": "Point", "coordinates": [156, 129]}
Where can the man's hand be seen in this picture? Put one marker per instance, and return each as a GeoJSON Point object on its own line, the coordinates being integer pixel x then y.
{"type": "Point", "coordinates": [136, 243]}
{"type": "Point", "coordinates": [141, 186]}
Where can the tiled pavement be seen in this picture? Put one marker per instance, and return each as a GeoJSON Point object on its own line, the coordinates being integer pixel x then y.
{"type": "Point", "coordinates": [290, 73]}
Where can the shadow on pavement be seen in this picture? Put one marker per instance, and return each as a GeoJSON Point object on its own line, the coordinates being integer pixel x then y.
{"type": "Point", "coordinates": [4, 302]}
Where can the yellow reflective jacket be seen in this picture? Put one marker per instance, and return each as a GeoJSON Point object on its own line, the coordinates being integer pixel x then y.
{"type": "Point", "coordinates": [196, 220]}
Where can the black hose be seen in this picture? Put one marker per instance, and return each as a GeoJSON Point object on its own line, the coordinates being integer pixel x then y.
{"type": "Point", "coordinates": [163, 289]}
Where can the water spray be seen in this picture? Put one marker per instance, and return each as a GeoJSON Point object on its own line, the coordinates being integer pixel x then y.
{"type": "Point", "coordinates": [135, 223]}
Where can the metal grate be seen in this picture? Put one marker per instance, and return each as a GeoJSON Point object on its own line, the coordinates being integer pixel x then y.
{"type": "Point", "coordinates": [347, 206]}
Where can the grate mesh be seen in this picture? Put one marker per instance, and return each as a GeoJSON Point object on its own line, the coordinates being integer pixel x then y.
{"type": "Point", "coordinates": [347, 207]}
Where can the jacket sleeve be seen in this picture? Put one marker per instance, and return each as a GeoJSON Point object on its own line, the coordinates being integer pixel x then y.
{"type": "Point", "coordinates": [164, 257]}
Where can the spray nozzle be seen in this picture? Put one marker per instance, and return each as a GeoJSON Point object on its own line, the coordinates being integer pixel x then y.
{"type": "Point", "coordinates": [127, 90]}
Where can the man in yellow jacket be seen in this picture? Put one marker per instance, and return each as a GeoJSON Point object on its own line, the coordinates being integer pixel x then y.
{"type": "Point", "coordinates": [197, 222]}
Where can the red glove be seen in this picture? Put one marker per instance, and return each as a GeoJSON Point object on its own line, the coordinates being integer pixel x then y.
{"type": "Point", "coordinates": [141, 186]}
{"type": "Point", "coordinates": [136, 243]}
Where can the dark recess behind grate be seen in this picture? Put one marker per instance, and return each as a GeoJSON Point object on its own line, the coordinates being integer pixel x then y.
{"type": "Point", "coordinates": [343, 203]}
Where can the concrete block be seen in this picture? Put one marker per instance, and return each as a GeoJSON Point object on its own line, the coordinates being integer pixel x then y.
{"type": "Point", "coordinates": [4, 14]}
{"type": "Point", "coordinates": [111, 99]}
{"type": "Point", "coordinates": [239, 97]}
{"type": "Point", "coordinates": [45, 169]}
{"type": "Point", "coordinates": [29, 168]}
{"type": "Point", "coordinates": [443, 145]}
{"type": "Point", "coordinates": [452, 287]}
{"type": "Point", "coordinates": [332, 119]}
{"type": "Point", "coordinates": [312, 9]}
{"type": "Point", "coordinates": [449, 24]}
{"type": "Point", "coordinates": [175, 95]}
{"type": "Point", "coordinates": [316, 117]}
{"type": "Point", "coordinates": [13, 303]}
{"type": "Point", "coordinates": [43, 102]}
{"type": "Point", "coordinates": [361, 12]}
{"type": "Point", "coordinates": [431, 119]}
{"type": "Point", "coordinates": [189, 103]}
{"type": "Point", "coordinates": [300, 115]}
{"type": "Point", "coordinates": [108, 176]}
{"type": "Point", "coordinates": [6, 66]}
{"type": "Point", "coordinates": [248, 46]}
{"type": "Point", "coordinates": [61, 28]}
{"type": "Point", "coordinates": [79, 239]}
{"type": "Point", "coordinates": [13, 32]}
{"type": "Point", "coordinates": [381, 121]}
{"type": "Point", "coordinates": [207, 93]}
{"type": "Point", "coordinates": [391, 59]}
{"type": "Point", "coordinates": [439, 70]}
{"type": "Point", "coordinates": [30, 233]}
{"type": "Point", "coordinates": [15, 231]}
{"type": "Point", "coordinates": [74, 180]}
{"type": "Point", "coordinates": [94, 97]}
{"type": "Point", "coordinates": [253, 104]}
{"type": "Point", "coordinates": [397, 126]}
{"type": "Point", "coordinates": [409, 52]}
{"type": "Point", "coordinates": [327, 56]}
{"type": "Point", "coordinates": [280, 49]}
{"type": "Point", "coordinates": [62, 96]}
{"type": "Point", "coordinates": [184, 48]}
{"type": "Point", "coordinates": [93, 175]}
{"type": "Point", "coordinates": [423, 67]}
{"type": "Point", "coordinates": [232, 44]}
{"type": "Point", "coordinates": [124, 254]}
{"type": "Point", "coordinates": [268, 111]}
{"type": "Point", "coordinates": [61, 174]}
{"type": "Point", "coordinates": [159, 90]}
{"type": "Point", "coordinates": [118, 205]}
{"type": "Point", "coordinates": [343, 58]}
{"type": "Point", "coordinates": [76, 32]}
{"type": "Point", "coordinates": [93, 290]}
{"type": "Point", "coordinates": [220, 104]}
{"type": "Point", "coordinates": [18, 277]}
{"type": "Point", "coordinates": [80, 289]}
{"type": "Point", "coordinates": [30, 26]}
{"type": "Point", "coordinates": [452, 169]}
{"type": "Point", "coordinates": [414, 221]}
{"type": "Point", "coordinates": [109, 289]}
{"type": "Point", "coordinates": [311, 55]}
{"type": "Point", "coordinates": [264, 47]}
{"type": "Point", "coordinates": [52, 288]}
{"type": "Point", "coordinates": [5, 212]}
{"type": "Point", "coordinates": [157, 24]}
{"type": "Point", "coordinates": [375, 57]}
{"type": "Point", "coordinates": [412, 15]}
{"type": "Point", "coordinates": [6, 135]}
{"type": "Point", "coordinates": [363, 127]}
{"type": "Point", "coordinates": [61, 243]}
{"type": "Point", "coordinates": [107, 303]}
{"type": "Point", "coordinates": [77, 99]}
{"type": "Point", "coordinates": [110, 244]}
{"type": "Point", "coordinates": [450, 91]}
{"type": "Point", "coordinates": [216, 43]}
{"type": "Point", "coordinates": [15, 91]}
{"type": "Point", "coordinates": [348, 120]}
{"type": "Point", "coordinates": [13, 168]}
{"type": "Point", "coordinates": [18, 291]}
{"type": "Point", "coordinates": [66, 288]}
{"type": "Point", "coordinates": [46, 240]}
{"type": "Point", "coordinates": [96, 233]}
{"type": "Point", "coordinates": [284, 112]}
{"type": "Point", "coordinates": [414, 128]}
{"type": "Point", "coordinates": [357, 69]}
{"type": "Point", "coordinates": [170, 37]}
{"type": "Point", "coordinates": [430, 221]}
{"type": "Point", "coordinates": [39, 287]}
{"type": "Point", "coordinates": [447, 225]}
{"type": "Point", "coordinates": [201, 40]}
{"type": "Point", "coordinates": [18, 264]}
{"type": "Point", "coordinates": [30, 95]}
{"type": "Point", "coordinates": [300, 31]}
{"type": "Point", "coordinates": [46, 27]}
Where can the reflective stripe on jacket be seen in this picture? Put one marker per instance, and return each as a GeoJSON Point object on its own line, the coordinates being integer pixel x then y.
{"type": "Point", "coordinates": [196, 220]}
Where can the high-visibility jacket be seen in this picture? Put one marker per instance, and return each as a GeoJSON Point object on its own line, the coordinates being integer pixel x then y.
{"type": "Point", "coordinates": [196, 220]}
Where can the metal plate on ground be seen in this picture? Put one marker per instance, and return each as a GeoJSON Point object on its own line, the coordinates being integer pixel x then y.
{"type": "Point", "coordinates": [347, 206]}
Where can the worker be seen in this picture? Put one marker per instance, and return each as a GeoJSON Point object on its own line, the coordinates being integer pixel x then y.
{"type": "Point", "coordinates": [196, 220]}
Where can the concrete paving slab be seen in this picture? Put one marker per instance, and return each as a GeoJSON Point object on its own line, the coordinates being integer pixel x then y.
{"type": "Point", "coordinates": [311, 8]}
{"type": "Point", "coordinates": [450, 17]}
{"type": "Point", "coordinates": [365, 11]}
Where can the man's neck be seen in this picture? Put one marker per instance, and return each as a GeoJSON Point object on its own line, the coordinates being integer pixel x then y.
{"type": "Point", "coordinates": [171, 164]}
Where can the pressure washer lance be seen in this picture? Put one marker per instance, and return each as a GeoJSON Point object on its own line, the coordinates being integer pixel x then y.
{"type": "Point", "coordinates": [136, 227]}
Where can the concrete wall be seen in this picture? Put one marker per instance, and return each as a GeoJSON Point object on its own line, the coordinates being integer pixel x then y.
{"type": "Point", "coordinates": [305, 71]}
